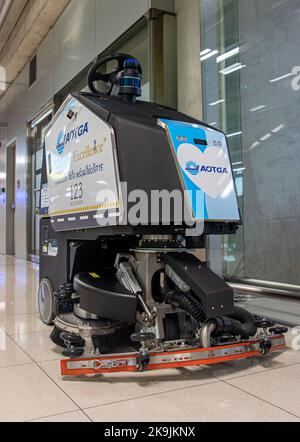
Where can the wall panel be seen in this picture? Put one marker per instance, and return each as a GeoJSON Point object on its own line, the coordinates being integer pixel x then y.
{"type": "Point", "coordinates": [83, 31]}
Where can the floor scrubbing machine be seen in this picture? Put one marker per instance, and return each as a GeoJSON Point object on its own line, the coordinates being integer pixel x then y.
{"type": "Point", "coordinates": [130, 192]}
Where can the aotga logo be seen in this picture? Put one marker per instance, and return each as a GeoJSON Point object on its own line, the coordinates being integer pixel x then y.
{"type": "Point", "coordinates": [192, 168]}
{"type": "Point", "coordinates": [195, 169]}
{"type": "Point", "coordinates": [60, 143]}
{"type": "Point", "coordinates": [64, 139]}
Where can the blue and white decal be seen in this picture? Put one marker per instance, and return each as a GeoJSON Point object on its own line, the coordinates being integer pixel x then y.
{"type": "Point", "coordinates": [82, 169]}
{"type": "Point", "coordinates": [60, 142]}
{"type": "Point", "coordinates": [64, 138]}
{"type": "Point", "coordinates": [203, 159]}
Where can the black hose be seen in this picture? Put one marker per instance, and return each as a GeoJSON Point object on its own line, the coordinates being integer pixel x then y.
{"type": "Point", "coordinates": [240, 323]}
{"type": "Point", "coordinates": [243, 323]}
{"type": "Point", "coordinates": [186, 302]}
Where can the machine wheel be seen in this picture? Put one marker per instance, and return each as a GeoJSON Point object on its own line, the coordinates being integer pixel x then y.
{"type": "Point", "coordinates": [73, 352]}
{"type": "Point", "coordinates": [46, 301]}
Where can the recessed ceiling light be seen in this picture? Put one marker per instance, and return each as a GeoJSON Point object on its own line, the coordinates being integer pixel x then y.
{"type": "Point", "coordinates": [266, 137]}
{"type": "Point", "coordinates": [254, 145]}
{"type": "Point", "coordinates": [206, 51]}
{"type": "Point", "coordinates": [209, 55]}
{"type": "Point", "coordinates": [216, 102]}
{"type": "Point", "coordinates": [274, 80]}
{"type": "Point", "coordinates": [257, 108]}
{"type": "Point", "coordinates": [278, 129]}
{"type": "Point", "coordinates": [232, 68]}
{"type": "Point", "coordinates": [228, 54]}
{"type": "Point", "coordinates": [234, 134]}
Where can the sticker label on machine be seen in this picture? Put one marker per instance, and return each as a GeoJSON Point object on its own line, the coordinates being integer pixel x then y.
{"type": "Point", "coordinates": [81, 166]}
{"type": "Point", "coordinates": [203, 160]}
{"type": "Point", "coordinates": [101, 364]}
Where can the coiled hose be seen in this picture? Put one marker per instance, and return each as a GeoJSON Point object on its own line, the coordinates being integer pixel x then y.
{"type": "Point", "coordinates": [242, 323]}
{"type": "Point", "coordinates": [186, 302]}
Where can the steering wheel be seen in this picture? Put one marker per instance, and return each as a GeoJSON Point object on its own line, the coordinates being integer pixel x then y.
{"type": "Point", "coordinates": [111, 77]}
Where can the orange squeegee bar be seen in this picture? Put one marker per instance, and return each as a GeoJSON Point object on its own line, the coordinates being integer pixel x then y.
{"type": "Point", "coordinates": [171, 359]}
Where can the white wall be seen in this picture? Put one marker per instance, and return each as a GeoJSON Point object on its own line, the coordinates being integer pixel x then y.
{"type": "Point", "coordinates": [84, 30]}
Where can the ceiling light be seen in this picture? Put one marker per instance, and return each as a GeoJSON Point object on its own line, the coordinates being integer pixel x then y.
{"type": "Point", "coordinates": [216, 102]}
{"type": "Point", "coordinates": [45, 115]}
{"type": "Point", "coordinates": [274, 80]}
{"type": "Point", "coordinates": [240, 169]}
{"type": "Point", "coordinates": [257, 143]}
{"type": "Point", "coordinates": [228, 54]}
{"type": "Point", "coordinates": [209, 55]}
{"type": "Point", "coordinates": [257, 108]}
{"type": "Point", "coordinates": [266, 137]}
{"type": "Point", "coordinates": [234, 135]}
{"type": "Point", "coordinates": [206, 51]}
{"type": "Point", "coordinates": [278, 129]}
{"type": "Point", "coordinates": [232, 68]}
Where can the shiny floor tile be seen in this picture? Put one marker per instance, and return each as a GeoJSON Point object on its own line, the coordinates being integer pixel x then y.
{"type": "Point", "coordinates": [106, 389]}
{"type": "Point", "coordinates": [13, 290]}
{"type": "Point", "coordinates": [75, 416]}
{"type": "Point", "coordinates": [278, 387]}
{"type": "Point", "coordinates": [18, 307]}
{"type": "Point", "coordinates": [23, 324]}
{"type": "Point", "coordinates": [10, 353]}
{"type": "Point", "coordinates": [208, 403]}
{"type": "Point", "coordinates": [39, 346]}
{"type": "Point", "coordinates": [26, 393]}
{"type": "Point", "coordinates": [235, 369]}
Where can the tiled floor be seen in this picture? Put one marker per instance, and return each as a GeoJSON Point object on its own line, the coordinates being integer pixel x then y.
{"type": "Point", "coordinates": [31, 388]}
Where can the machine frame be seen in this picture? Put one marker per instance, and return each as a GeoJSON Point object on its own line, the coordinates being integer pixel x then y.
{"type": "Point", "coordinates": [103, 285]}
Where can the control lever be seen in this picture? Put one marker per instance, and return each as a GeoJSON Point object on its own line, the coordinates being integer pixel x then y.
{"type": "Point", "coordinates": [127, 278]}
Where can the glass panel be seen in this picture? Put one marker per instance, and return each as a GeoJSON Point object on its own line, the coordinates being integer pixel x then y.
{"type": "Point", "coordinates": [38, 181]}
{"type": "Point", "coordinates": [138, 47]}
{"type": "Point", "coordinates": [39, 160]}
{"type": "Point", "coordinates": [36, 140]}
{"type": "Point", "coordinates": [249, 50]}
{"type": "Point", "coordinates": [37, 199]}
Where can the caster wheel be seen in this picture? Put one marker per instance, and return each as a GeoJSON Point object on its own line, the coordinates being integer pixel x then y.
{"type": "Point", "coordinates": [46, 302]}
{"type": "Point", "coordinates": [72, 341]}
{"type": "Point", "coordinates": [73, 352]}
{"type": "Point", "coordinates": [278, 330]}
{"type": "Point", "coordinates": [142, 337]}
{"type": "Point", "coordinates": [264, 323]}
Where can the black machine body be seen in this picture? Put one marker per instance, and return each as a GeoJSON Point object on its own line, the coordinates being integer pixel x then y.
{"type": "Point", "coordinates": [112, 267]}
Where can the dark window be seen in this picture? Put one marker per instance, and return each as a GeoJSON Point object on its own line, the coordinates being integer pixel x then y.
{"type": "Point", "coordinates": [32, 71]}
